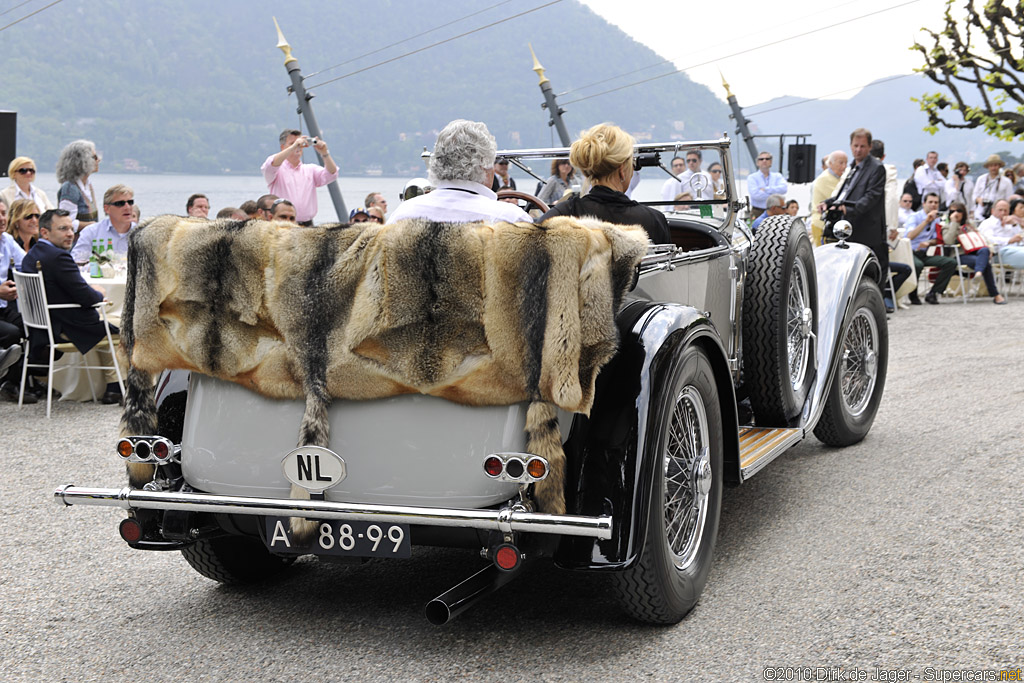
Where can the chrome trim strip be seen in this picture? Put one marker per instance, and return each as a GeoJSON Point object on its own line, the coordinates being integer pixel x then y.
{"type": "Point", "coordinates": [505, 520]}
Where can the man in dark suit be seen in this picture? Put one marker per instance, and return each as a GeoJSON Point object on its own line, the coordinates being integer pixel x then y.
{"type": "Point", "coordinates": [83, 327]}
{"type": "Point", "coordinates": [861, 198]}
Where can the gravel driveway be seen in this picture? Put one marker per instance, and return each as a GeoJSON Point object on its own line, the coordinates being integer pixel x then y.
{"type": "Point", "coordinates": [903, 552]}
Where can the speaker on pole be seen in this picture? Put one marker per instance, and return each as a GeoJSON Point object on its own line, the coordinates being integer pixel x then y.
{"type": "Point", "coordinates": [8, 139]}
{"type": "Point", "coordinates": [802, 163]}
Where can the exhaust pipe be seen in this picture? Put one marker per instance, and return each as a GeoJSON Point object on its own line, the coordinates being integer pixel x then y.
{"type": "Point", "coordinates": [457, 600]}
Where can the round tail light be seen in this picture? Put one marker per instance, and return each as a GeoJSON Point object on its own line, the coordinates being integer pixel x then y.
{"type": "Point", "coordinates": [125, 448]}
{"type": "Point", "coordinates": [536, 468]}
{"type": "Point", "coordinates": [161, 449]}
{"type": "Point", "coordinates": [493, 466]}
{"type": "Point", "coordinates": [142, 449]}
{"type": "Point", "coordinates": [514, 468]}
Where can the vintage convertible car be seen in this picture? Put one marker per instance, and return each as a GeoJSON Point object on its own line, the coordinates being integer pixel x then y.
{"type": "Point", "coordinates": [732, 348]}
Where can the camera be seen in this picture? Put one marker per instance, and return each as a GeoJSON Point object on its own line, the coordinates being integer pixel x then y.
{"type": "Point", "coordinates": [311, 142]}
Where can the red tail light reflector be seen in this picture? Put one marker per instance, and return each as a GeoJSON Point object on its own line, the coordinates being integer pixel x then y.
{"type": "Point", "coordinates": [493, 466]}
{"type": "Point", "coordinates": [130, 530]}
{"type": "Point", "coordinates": [161, 449]}
{"type": "Point", "coordinates": [506, 556]}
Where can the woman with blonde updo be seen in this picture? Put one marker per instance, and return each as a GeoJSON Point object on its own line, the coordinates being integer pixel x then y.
{"type": "Point", "coordinates": [604, 154]}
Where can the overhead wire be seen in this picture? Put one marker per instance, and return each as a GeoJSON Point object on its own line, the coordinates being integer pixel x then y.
{"type": "Point", "coordinates": [32, 14]}
{"type": "Point", "coordinates": [669, 61]}
{"type": "Point", "coordinates": [433, 45]}
{"type": "Point", "coordinates": [741, 52]}
{"type": "Point", "coordinates": [20, 4]}
{"type": "Point", "coordinates": [406, 40]}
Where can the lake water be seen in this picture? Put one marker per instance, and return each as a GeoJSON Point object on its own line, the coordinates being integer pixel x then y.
{"type": "Point", "coordinates": [158, 194]}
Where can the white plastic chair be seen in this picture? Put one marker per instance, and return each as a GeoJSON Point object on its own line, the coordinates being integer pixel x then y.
{"type": "Point", "coordinates": [35, 315]}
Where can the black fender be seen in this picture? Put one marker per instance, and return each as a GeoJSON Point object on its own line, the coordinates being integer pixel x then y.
{"type": "Point", "coordinates": [607, 471]}
{"type": "Point", "coordinates": [170, 396]}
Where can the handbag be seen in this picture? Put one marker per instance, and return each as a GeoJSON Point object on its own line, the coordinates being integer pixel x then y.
{"type": "Point", "coordinates": [970, 242]}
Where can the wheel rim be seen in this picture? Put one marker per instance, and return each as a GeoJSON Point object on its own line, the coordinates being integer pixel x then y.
{"type": "Point", "coordinates": [860, 362]}
{"type": "Point", "coordinates": [798, 325]}
{"type": "Point", "coordinates": [688, 477]}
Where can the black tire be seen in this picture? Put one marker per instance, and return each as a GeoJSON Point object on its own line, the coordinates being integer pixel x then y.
{"type": "Point", "coordinates": [234, 560]}
{"type": "Point", "coordinates": [780, 321]}
{"type": "Point", "coordinates": [860, 370]}
{"type": "Point", "coordinates": [669, 575]}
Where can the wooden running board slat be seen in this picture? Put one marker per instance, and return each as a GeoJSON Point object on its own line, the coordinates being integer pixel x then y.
{"type": "Point", "coordinates": [757, 444]}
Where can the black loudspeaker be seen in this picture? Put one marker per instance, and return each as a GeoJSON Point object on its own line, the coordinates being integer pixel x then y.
{"type": "Point", "coordinates": [8, 139]}
{"type": "Point", "coordinates": [802, 164]}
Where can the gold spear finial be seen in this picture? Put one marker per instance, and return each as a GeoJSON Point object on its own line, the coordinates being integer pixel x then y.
{"type": "Point", "coordinates": [728, 93]}
{"type": "Point", "coordinates": [283, 44]}
{"type": "Point", "coordinates": [537, 67]}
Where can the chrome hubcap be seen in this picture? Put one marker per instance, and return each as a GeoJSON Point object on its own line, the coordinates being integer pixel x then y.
{"type": "Point", "coordinates": [799, 318]}
{"type": "Point", "coordinates": [859, 370]}
{"type": "Point", "coordinates": [688, 477]}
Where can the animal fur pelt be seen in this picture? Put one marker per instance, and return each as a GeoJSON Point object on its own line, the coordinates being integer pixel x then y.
{"type": "Point", "coordinates": [476, 313]}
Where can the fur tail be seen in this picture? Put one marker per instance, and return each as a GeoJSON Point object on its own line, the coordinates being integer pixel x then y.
{"type": "Point", "coordinates": [138, 418]}
{"type": "Point", "coordinates": [544, 439]}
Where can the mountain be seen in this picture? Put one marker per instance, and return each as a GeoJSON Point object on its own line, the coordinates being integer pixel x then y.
{"type": "Point", "coordinates": [886, 109]}
{"type": "Point", "coordinates": [199, 87]}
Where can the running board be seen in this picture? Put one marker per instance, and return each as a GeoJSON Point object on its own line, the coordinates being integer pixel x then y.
{"type": "Point", "coordinates": [758, 447]}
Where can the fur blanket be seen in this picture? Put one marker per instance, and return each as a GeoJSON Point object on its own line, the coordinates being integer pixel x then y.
{"type": "Point", "coordinates": [475, 313]}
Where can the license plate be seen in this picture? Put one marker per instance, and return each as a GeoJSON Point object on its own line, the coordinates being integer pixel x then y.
{"type": "Point", "coordinates": [341, 537]}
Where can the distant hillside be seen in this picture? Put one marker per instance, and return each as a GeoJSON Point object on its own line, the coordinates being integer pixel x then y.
{"type": "Point", "coordinates": [198, 87]}
{"type": "Point", "coordinates": [888, 112]}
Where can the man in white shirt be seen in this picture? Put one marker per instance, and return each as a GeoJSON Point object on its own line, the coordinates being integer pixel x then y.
{"type": "Point", "coordinates": [927, 177]}
{"type": "Point", "coordinates": [694, 180]}
{"type": "Point", "coordinates": [959, 186]}
{"type": "Point", "coordinates": [672, 187]}
{"type": "Point", "coordinates": [461, 168]}
{"type": "Point", "coordinates": [117, 204]}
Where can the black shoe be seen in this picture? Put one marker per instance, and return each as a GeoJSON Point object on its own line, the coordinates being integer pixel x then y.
{"type": "Point", "coordinates": [39, 389]}
{"type": "Point", "coordinates": [9, 392]}
{"type": "Point", "coordinates": [931, 298]}
{"type": "Point", "coordinates": [914, 298]}
{"type": "Point", "coordinates": [111, 397]}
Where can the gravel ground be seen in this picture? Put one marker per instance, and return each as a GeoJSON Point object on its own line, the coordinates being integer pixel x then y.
{"type": "Point", "coordinates": [903, 552]}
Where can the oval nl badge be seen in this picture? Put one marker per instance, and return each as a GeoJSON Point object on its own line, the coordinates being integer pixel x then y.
{"type": "Point", "coordinates": [314, 468]}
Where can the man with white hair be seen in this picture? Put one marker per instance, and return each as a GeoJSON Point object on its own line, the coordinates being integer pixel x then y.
{"type": "Point", "coordinates": [824, 186]}
{"type": "Point", "coordinates": [461, 169]}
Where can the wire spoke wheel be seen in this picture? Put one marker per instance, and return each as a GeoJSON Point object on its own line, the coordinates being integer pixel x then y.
{"type": "Point", "coordinates": [798, 325]}
{"type": "Point", "coordinates": [687, 471]}
{"type": "Point", "coordinates": [860, 362]}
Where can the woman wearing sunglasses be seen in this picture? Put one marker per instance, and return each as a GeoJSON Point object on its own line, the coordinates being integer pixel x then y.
{"type": "Point", "coordinates": [23, 223]}
{"type": "Point", "coordinates": [979, 261]}
{"type": "Point", "coordinates": [22, 172]}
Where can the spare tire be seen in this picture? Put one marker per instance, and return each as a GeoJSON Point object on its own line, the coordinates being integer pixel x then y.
{"type": "Point", "coordinates": [780, 320]}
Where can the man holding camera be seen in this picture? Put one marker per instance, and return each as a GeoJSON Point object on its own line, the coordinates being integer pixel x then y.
{"type": "Point", "coordinates": [295, 181]}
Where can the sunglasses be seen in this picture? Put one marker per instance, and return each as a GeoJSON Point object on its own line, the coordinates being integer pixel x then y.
{"type": "Point", "coordinates": [717, 170]}
{"type": "Point", "coordinates": [26, 171]}
{"type": "Point", "coordinates": [30, 216]}
{"type": "Point", "coordinates": [765, 159]}
{"type": "Point", "coordinates": [121, 202]}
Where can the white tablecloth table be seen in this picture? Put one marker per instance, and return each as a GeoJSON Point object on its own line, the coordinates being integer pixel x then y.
{"type": "Point", "coordinates": [74, 383]}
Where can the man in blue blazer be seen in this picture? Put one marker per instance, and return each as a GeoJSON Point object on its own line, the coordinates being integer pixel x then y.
{"type": "Point", "coordinates": [83, 327]}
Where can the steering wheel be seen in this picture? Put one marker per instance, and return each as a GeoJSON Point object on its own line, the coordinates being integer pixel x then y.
{"type": "Point", "coordinates": [528, 198]}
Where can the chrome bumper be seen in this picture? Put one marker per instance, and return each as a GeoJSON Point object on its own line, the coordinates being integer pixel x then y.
{"type": "Point", "coordinates": [506, 519]}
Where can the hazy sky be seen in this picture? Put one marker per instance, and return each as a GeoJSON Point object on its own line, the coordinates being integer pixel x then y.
{"type": "Point", "coordinates": [825, 61]}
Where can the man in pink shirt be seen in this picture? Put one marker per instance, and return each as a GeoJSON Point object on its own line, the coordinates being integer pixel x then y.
{"type": "Point", "coordinates": [288, 177]}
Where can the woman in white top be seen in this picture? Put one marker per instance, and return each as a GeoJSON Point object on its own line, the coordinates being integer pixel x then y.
{"type": "Point", "coordinates": [22, 171]}
{"type": "Point", "coordinates": [959, 186]}
{"type": "Point", "coordinates": [991, 187]}
{"type": "Point", "coordinates": [1004, 230]}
